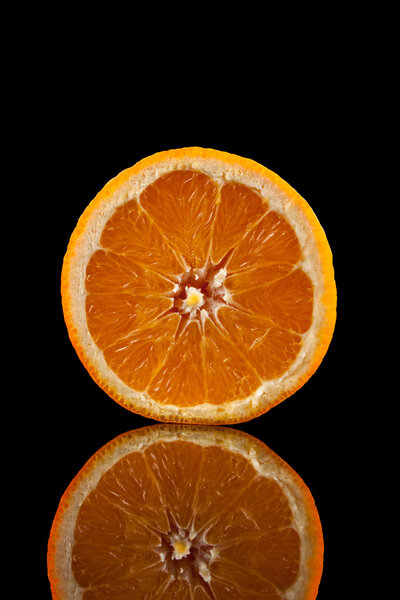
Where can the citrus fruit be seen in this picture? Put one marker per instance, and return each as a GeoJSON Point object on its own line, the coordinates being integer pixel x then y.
{"type": "Point", "coordinates": [185, 512]}
{"type": "Point", "coordinates": [198, 287]}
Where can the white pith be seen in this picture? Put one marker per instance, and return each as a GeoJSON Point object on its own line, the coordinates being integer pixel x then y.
{"type": "Point", "coordinates": [194, 300]}
{"type": "Point", "coordinates": [181, 547]}
{"type": "Point", "coordinates": [193, 305]}
{"type": "Point", "coordinates": [278, 201]}
{"type": "Point", "coordinates": [265, 463]}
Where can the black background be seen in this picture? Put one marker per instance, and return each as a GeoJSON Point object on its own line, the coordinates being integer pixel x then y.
{"type": "Point", "coordinates": [78, 141]}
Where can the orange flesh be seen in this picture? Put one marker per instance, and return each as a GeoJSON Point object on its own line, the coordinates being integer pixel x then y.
{"type": "Point", "coordinates": [183, 222]}
{"type": "Point", "coordinates": [239, 524]}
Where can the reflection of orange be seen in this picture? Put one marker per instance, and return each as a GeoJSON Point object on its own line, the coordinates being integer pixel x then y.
{"type": "Point", "coordinates": [188, 512]}
{"type": "Point", "coordinates": [198, 286]}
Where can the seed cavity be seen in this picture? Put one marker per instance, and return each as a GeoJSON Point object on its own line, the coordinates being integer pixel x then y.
{"type": "Point", "coordinates": [181, 548]}
{"type": "Point", "coordinates": [186, 555]}
{"type": "Point", "coordinates": [200, 292]}
{"type": "Point", "coordinates": [193, 301]}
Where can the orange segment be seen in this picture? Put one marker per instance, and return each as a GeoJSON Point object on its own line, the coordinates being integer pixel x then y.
{"type": "Point", "coordinates": [228, 374]}
{"type": "Point", "coordinates": [269, 348]}
{"type": "Point", "coordinates": [263, 556]}
{"type": "Point", "coordinates": [182, 204]}
{"type": "Point", "coordinates": [252, 278]}
{"type": "Point", "coordinates": [271, 241]}
{"type": "Point", "coordinates": [227, 587]}
{"type": "Point", "coordinates": [139, 356]}
{"type": "Point", "coordinates": [171, 464]}
{"type": "Point", "coordinates": [125, 487]}
{"type": "Point", "coordinates": [238, 209]}
{"type": "Point", "coordinates": [262, 507]}
{"type": "Point", "coordinates": [131, 233]}
{"type": "Point", "coordinates": [177, 590]}
{"type": "Point", "coordinates": [125, 324]}
{"type": "Point", "coordinates": [288, 302]}
{"type": "Point", "coordinates": [231, 475]}
{"type": "Point", "coordinates": [136, 586]}
{"type": "Point", "coordinates": [181, 378]}
{"type": "Point", "coordinates": [93, 565]}
{"type": "Point", "coordinates": [100, 522]}
{"type": "Point", "coordinates": [181, 512]}
{"type": "Point", "coordinates": [108, 272]}
{"type": "Point", "coordinates": [111, 317]}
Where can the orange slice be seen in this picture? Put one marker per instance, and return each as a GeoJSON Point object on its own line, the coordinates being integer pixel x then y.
{"type": "Point", "coordinates": [188, 512]}
{"type": "Point", "coordinates": [198, 287]}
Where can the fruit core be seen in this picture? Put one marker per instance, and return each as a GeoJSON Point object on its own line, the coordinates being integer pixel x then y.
{"type": "Point", "coordinates": [200, 290]}
{"type": "Point", "coordinates": [181, 548]}
{"type": "Point", "coordinates": [187, 556]}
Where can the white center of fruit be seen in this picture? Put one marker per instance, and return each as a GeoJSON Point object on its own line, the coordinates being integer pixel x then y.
{"type": "Point", "coordinates": [194, 300]}
{"type": "Point", "coordinates": [187, 556]}
{"type": "Point", "coordinates": [200, 293]}
{"type": "Point", "coordinates": [181, 548]}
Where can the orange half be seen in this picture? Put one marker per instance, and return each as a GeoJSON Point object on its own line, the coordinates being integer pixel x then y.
{"type": "Point", "coordinates": [198, 286]}
{"type": "Point", "coordinates": [186, 512]}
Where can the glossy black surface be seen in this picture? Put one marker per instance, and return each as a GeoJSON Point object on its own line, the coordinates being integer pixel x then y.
{"type": "Point", "coordinates": [72, 417]}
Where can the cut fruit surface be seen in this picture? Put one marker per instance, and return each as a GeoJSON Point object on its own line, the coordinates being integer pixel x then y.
{"type": "Point", "coordinates": [178, 511]}
{"type": "Point", "coordinates": [198, 287]}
